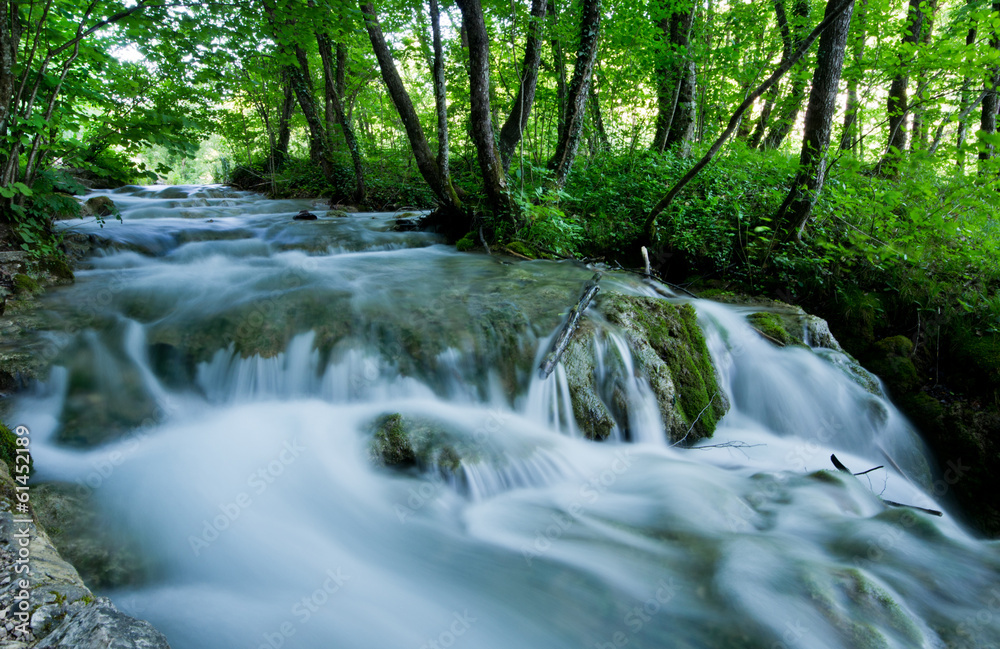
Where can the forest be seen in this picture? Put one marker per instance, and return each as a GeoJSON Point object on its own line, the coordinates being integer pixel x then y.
{"type": "Point", "coordinates": [839, 155]}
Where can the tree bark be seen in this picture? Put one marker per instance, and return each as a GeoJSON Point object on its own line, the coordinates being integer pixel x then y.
{"type": "Point", "coordinates": [789, 108]}
{"type": "Point", "coordinates": [513, 129]}
{"type": "Point", "coordinates": [794, 212]}
{"type": "Point", "coordinates": [920, 130]}
{"type": "Point", "coordinates": [335, 105]}
{"type": "Point", "coordinates": [494, 176]}
{"type": "Point", "coordinates": [440, 95]}
{"type": "Point", "coordinates": [676, 100]}
{"type": "Point", "coordinates": [319, 148]}
{"type": "Point", "coordinates": [991, 104]}
{"type": "Point", "coordinates": [559, 63]}
{"type": "Point", "coordinates": [426, 163]}
{"type": "Point", "coordinates": [576, 101]}
{"type": "Point", "coordinates": [280, 152]}
{"type": "Point", "coordinates": [970, 40]}
{"type": "Point", "coordinates": [849, 138]}
{"type": "Point", "coordinates": [896, 104]}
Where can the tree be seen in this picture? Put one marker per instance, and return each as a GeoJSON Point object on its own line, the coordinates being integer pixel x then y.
{"type": "Point", "coordinates": [789, 108]}
{"type": "Point", "coordinates": [576, 100]}
{"type": "Point", "coordinates": [513, 128]}
{"type": "Point", "coordinates": [675, 73]}
{"type": "Point", "coordinates": [991, 102]}
{"type": "Point", "coordinates": [794, 212]}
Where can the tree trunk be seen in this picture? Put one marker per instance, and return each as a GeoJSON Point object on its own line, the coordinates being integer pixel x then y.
{"type": "Point", "coordinates": [991, 103]}
{"type": "Point", "coordinates": [676, 100]}
{"type": "Point", "coordinates": [335, 104]}
{"type": "Point", "coordinates": [426, 163]}
{"type": "Point", "coordinates": [970, 40]}
{"type": "Point", "coordinates": [920, 131]}
{"type": "Point", "coordinates": [595, 114]}
{"type": "Point", "coordinates": [576, 101]}
{"type": "Point", "coordinates": [280, 153]}
{"type": "Point", "coordinates": [301, 81]}
{"type": "Point", "coordinates": [765, 115]}
{"type": "Point", "coordinates": [790, 106]}
{"type": "Point", "coordinates": [850, 137]}
{"type": "Point", "coordinates": [559, 63]}
{"type": "Point", "coordinates": [494, 176]}
{"type": "Point", "coordinates": [513, 129]}
{"type": "Point", "coordinates": [440, 96]}
{"type": "Point", "coordinates": [794, 213]}
{"type": "Point", "coordinates": [896, 104]}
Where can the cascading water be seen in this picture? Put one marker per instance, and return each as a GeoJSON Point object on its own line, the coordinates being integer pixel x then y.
{"type": "Point", "coordinates": [220, 368]}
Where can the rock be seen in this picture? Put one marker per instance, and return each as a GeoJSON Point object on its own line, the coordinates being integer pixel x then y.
{"type": "Point", "coordinates": [891, 361]}
{"type": "Point", "coordinates": [99, 206]}
{"type": "Point", "coordinates": [25, 285]}
{"type": "Point", "coordinates": [403, 441]}
{"type": "Point", "coordinates": [305, 215]}
{"type": "Point", "coordinates": [773, 328]}
{"type": "Point", "coordinates": [340, 214]}
{"type": "Point", "coordinates": [102, 626]}
{"type": "Point", "coordinates": [347, 209]}
{"type": "Point", "coordinates": [65, 612]}
{"type": "Point", "coordinates": [592, 415]}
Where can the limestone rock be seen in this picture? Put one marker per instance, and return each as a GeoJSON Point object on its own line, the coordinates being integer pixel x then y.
{"type": "Point", "coordinates": [98, 206]}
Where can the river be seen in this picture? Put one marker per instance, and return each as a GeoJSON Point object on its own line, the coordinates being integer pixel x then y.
{"type": "Point", "coordinates": [216, 377]}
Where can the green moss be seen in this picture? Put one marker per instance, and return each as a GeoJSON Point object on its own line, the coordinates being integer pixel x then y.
{"type": "Point", "coordinates": [8, 450]}
{"type": "Point", "coordinates": [59, 269]}
{"type": "Point", "coordinates": [390, 445]}
{"type": "Point", "coordinates": [673, 333]}
{"type": "Point", "coordinates": [25, 285]}
{"type": "Point", "coordinates": [892, 362]}
{"type": "Point", "coordinates": [466, 243]}
{"type": "Point", "coordinates": [771, 325]}
{"type": "Point", "coordinates": [522, 248]}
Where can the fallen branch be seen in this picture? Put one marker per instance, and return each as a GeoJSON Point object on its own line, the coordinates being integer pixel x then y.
{"type": "Point", "coordinates": [771, 338]}
{"type": "Point", "coordinates": [840, 467]}
{"type": "Point", "coordinates": [561, 342]}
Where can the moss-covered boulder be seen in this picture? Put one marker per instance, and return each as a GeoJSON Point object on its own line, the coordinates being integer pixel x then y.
{"type": "Point", "coordinates": [99, 206]}
{"type": "Point", "coordinates": [25, 285]}
{"type": "Point", "coordinates": [592, 415]}
{"type": "Point", "coordinates": [402, 441]}
{"type": "Point", "coordinates": [8, 451]}
{"type": "Point", "coordinates": [773, 327]}
{"type": "Point", "coordinates": [891, 361]}
{"type": "Point", "coordinates": [670, 351]}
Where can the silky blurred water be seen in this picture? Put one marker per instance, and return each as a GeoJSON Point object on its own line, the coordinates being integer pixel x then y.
{"type": "Point", "coordinates": [219, 373]}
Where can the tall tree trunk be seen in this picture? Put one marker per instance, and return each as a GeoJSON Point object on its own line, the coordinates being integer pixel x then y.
{"type": "Point", "coordinates": [559, 63]}
{"type": "Point", "coordinates": [280, 153]}
{"type": "Point", "coordinates": [765, 116]}
{"type": "Point", "coordinates": [604, 144]}
{"type": "Point", "coordinates": [576, 101]}
{"type": "Point", "coordinates": [991, 104]}
{"type": "Point", "coordinates": [426, 163]}
{"type": "Point", "coordinates": [335, 104]}
{"type": "Point", "coordinates": [896, 104]}
{"type": "Point", "coordinates": [440, 97]}
{"type": "Point", "coordinates": [513, 129]}
{"type": "Point", "coordinates": [494, 176]}
{"type": "Point", "coordinates": [675, 120]}
{"type": "Point", "coordinates": [790, 106]}
{"type": "Point", "coordinates": [794, 212]}
{"type": "Point", "coordinates": [920, 130]}
{"type": "Point", "coordinates": [301, 81]}
{"type": "Point", "coordinates": [850, 137]}
{"type": "Point", "coordinates": [970, 40]}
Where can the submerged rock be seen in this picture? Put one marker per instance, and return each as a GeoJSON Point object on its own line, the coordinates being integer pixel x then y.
{"type": "Point", "coordinates": [402, 441]}
{"type": "Point", "coordinates": [304, 215]}
{"type": "Point", "coordinates": [98, 206]}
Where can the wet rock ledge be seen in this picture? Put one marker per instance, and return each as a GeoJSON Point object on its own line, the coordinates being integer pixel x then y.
{"type": "Point", "coordinates": [63, 612]}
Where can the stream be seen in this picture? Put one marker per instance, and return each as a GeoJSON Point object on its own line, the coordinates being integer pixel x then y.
{"type": "Point", "coordinates": [217, 373]}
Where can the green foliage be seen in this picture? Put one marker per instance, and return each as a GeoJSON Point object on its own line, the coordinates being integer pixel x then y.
{"type": "Point", "coordinates": [466, 243]}
{"type": "Point", "coordinates": [8, 450]}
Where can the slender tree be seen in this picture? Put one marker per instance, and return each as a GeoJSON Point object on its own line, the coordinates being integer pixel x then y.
{"type": "Point", "coordinates": [335, 106]}
{"type": "Point", "coordinates": [790, 106]}
{"type": "Point", "coordinates": [576, 101]}
{"type": "Point", "coordinates": [794, 212]}
{"type": "Point", "coordinates": [513, 128]}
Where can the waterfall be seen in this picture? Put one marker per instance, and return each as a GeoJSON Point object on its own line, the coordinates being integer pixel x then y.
{"type": "Point", "coordinates": [223, 374]}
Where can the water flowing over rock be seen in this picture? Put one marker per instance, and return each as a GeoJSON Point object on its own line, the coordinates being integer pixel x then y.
{"type": "Point", "coordinates": [330, 433]}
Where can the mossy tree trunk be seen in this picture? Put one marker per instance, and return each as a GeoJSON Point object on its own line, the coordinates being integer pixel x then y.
{"type": "Point", "coordinates": [335, 109]}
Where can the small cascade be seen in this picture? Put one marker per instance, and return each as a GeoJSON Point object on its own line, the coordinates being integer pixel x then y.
{"type": "Point", "coordinates": [222, 392]}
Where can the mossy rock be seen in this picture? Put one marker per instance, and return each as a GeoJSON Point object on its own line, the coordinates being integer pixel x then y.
{"type": "Point", "coordinates": [402, 441]}
{"type": "Point", "coordinates": [104, 555]}
{"type": "Point", "coordinates": [8, 450]}
{"type": "Point", "coordinates": [466, 243]}
{"type": "Point", "coordinates": [522, 249]}
{"type": "Point", "coordinates": [592, 415]}
{"type": "Point", "coordinates": [99, 206]}
{"type": "Point", "coordinates": [390, 445]}
{"type": "Point", "coordinates": [773, 327]}
{"type": "Point", "coordinates": [25, 285]}
{"type": "Point", "coordinates": [892, 362]}
{"type": "Point", "coordinates": [59, 269]}
{"type": "Point", "coordinates": [671, 351]}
